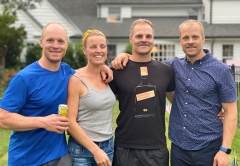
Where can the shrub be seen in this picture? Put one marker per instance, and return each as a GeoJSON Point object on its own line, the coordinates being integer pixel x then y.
{"type": "Point", "coordinates": [34, 53]}
{"type": "Point", "coordinates": [128, 49]}
{"type": "Point", "coordinates": [5, 78]}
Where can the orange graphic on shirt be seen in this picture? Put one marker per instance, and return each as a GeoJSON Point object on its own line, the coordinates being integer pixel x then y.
{"type": "Point", "coordinates": [145, 95]}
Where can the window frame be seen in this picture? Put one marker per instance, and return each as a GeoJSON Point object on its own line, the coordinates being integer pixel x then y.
{"type": "Point", "coordinates": [163, 52]}
{"type": "Point", "coordinates": [113, 14]}
{"type": "Point", "coordinates": [227, 52]}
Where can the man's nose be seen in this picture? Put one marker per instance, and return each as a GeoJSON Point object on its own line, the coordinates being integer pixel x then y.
{"type": "Point", "coordinates": [55, 44]}
{"type": "Point", "coordinates": [190, 40]}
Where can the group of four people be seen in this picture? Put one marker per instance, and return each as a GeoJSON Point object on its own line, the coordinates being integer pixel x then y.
{"type": "Point", "coordinates": [198, 86]}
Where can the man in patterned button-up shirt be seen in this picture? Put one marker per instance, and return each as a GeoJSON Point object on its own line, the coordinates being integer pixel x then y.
{"type": "Point", "coordinates": [204, 85]}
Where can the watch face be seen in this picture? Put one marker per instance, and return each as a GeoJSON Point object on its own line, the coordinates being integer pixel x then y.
{"type": "Point", "coordinates": [228, 151]}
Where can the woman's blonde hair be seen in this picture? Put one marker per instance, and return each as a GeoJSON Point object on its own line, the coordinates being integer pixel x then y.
{"type": "Point", "coordinates": [90, 33]}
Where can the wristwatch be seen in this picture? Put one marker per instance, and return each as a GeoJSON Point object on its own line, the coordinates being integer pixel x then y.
{"type": "Point", "coordinates": [226, 150]}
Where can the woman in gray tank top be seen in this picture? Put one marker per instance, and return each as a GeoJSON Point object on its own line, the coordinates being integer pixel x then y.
{"type": "Point", "coordinates": [90, 103]}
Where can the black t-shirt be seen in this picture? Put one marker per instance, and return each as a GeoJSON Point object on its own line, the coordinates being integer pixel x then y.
{"type": "Point", "coordinates": [142, 99]}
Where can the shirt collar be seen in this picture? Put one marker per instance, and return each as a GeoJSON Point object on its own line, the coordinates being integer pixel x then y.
{"type": "Point", "coordinates": [204, 59]}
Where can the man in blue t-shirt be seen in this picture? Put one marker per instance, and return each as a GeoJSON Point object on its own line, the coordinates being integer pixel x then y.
{"type": "Point", "coordinates": [30, 104]}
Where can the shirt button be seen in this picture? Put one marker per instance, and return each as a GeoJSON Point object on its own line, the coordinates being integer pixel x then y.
{"type": "Point", "coordinates": [185, 103]}
{"type": "Point", "coordinates": [192, 68]}
{"type": "Point", "coordinates": [184, 127]}
{"type": "Point", "coordinates": [187, 91]}
{"type": "Point", "coordinates": [189, 79]}
{"type": "Point", "coordinates": [185, 115]}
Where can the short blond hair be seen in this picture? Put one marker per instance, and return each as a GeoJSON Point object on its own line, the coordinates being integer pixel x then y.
{"type": "Point", "coordinates": [140, 21]}
{"type": "Point", "coordinates": [189, 23]}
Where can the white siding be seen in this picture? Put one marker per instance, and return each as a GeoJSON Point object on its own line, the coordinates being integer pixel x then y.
{"type": "Point", "coordinates": [121, 47]}
{"type": "Point", "coordinates": [104, 11]}
{"type": "Point", "coordinates": [207, 45]}
{"type": "Point", "coordinates": [126, 12]}
{"type": "Point", "coordinates": [236, 50]}
{"type": "Point", "coordinates": [218, 50]}
{"type": "Point", "coordinates": [226, 12]}
{"type": "Point", "coordinates": [33, 30]}
{"type": "Point", "coordinates": [45, 13]}
{"type": "Point", "coordinates": [206, 4]}
{"type": "Point", "coordinates": [159, 11]}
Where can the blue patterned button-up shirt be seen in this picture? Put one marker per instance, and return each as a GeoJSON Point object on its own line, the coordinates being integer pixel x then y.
{"type": "Point", "coordinates": [200, 89]}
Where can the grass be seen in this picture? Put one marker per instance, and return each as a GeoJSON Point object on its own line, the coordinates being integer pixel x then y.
{"type": "Point", "coordinates": [4, 140]}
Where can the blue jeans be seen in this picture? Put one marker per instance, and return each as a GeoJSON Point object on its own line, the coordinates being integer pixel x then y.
{"type": "Point", "coordinates": [83, 157]}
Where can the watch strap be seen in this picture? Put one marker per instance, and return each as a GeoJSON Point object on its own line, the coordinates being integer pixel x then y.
{"type": "Point", "coordinates": [226, 150]}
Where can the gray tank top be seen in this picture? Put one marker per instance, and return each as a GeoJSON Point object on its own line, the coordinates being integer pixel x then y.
{"type": "Point", "coordinates": [95, 113]}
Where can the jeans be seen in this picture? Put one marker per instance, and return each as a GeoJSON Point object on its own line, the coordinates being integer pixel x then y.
{"type": "Point", "coordinates": [83, 157]}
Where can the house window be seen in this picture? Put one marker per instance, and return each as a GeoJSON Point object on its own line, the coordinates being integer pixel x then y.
{"type": "Point", "coordinates": [163, 52]}
{"type": "Point", "coordinates": [114, 14]}
{"type": "Point", "coordinates": [111, 52]}
{"type": "Point", "coordinates": [227, 52]}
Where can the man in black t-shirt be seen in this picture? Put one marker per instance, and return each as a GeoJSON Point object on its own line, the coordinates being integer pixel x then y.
{"type": "Point", "coordinates": [141, 90]}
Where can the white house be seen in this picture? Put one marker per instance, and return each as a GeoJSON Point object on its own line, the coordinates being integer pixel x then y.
{"type": "Point", "coordinates": [221, 20]}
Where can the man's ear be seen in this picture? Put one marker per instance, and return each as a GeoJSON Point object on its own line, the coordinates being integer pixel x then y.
{"type": "Point", "coordinates": [204, 38]}
{"type": "Point", "coordinates": [180, 41]}
{"type": "Point", "coordinates": [40, 42]}
{"type": "Point", "coordinates": [130, 39]}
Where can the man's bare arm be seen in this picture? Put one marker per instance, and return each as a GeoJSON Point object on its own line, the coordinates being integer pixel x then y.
{"type": "Point", "coordinates": [17, 122]}
{"type": "Point", "coordinates": [106, 74]}
{"type": "Point", "coordinates": [229, 129]}
{"type": "Point", "coordinates": [120, 61]}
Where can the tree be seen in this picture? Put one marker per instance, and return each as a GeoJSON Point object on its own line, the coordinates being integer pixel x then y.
{"type": "Point", "coordinates": [14, 5]}
{"type": "Point", "coordinates": [128, 49]}
{"type": "Point", "coordinates": [12, 38]}
{"type": "Point", "coordinates": [81, 58]}
{"type": "Point", "coordinates": [75, 56]}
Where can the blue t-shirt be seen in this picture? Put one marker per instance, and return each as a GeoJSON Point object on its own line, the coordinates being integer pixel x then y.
{"type": "Point", "coordinates": [201, 87]}
{"type": "Point", "coordinates": [35, 91]}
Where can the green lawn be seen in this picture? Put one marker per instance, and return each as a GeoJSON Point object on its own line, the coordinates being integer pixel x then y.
{"type": "Point", "coordinates": [4, 140]}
